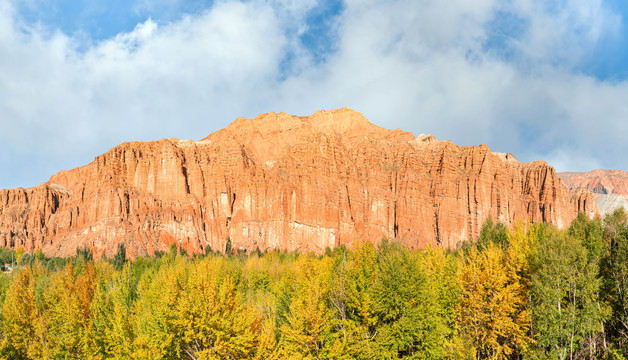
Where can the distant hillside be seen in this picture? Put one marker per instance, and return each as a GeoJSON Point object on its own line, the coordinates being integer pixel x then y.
{"type": "Point", "coordinates": [609, 187]}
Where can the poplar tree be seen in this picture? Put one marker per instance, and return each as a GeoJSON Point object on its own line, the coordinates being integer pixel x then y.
{"type": "Point", "coordinates": [211, 316]}
{"type": "Point", "coordinates": [20, 316]}
{"type": "Point", "coordinates": [564, 292]}
{"type": "Point", "coordinates": [70, 318]}
{"type": "Point", "coordinates": [615, 270]}
{"type": "Point", "coordinates": [308, 332]}
{"type": "Point", "coordinates": [409, 321]}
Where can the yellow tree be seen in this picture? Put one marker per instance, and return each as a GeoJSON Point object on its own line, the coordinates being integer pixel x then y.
{"type": "Point", "coordinates": [112, 309]}
{"type": "Point", "coordinates": [353, 302]}
{"type": "Point", "coordinates": [21, 318]}
{"type": "Point", "coordinates": [211, 316]}
{"type": "Point", "coordinates": [70, 317]}
{"type": "Point", "coordinates": [267, 337]}
{"type": "Point", "coordinates": [158, 337]}
{"type": "Point", "coordinates": [445, 285]}
{"type": "Point", "coordinates": [361, 270]}
{"type": "Point", "coordinates": [493, 310]}
{"type": "Point", "coordinates": [19, 252]}
{"type": "Point", "coordinates": [308, 331]}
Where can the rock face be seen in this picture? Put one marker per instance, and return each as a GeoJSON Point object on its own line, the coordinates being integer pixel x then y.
{"type": "Point", "coordinates": [609, 187]}
{"type": "Point", "coordinates": [286, 182]}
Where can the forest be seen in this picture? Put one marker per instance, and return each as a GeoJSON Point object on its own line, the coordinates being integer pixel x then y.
{"type": "Point", "coordinates": [531, 292]}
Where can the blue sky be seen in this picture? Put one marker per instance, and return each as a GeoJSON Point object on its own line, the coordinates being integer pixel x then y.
{"type": "Point", "coordinates": [540, 79]}
{"type": "Point", "coordinates": [92, 21]}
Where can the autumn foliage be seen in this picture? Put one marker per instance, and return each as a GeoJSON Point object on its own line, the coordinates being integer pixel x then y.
{"type": "Point", "coordinates": [529, 292]}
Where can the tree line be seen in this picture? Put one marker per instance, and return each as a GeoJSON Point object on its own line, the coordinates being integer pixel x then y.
{"type": "Point", "coordinates": [533, 293]}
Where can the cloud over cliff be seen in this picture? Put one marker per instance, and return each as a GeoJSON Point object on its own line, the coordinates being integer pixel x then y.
{"type": "Point", "coordinates": [529, 77]}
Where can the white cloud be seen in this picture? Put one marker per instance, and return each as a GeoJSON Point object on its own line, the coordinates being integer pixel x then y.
{"type": "Point", "coordinates": [564, 159]}
{"type": "Point", "coordinates": [181, 79]}
{"type": "Point", "coordinates": [562, 32]}
{"type": "Point", "coordinates": [422, 66]}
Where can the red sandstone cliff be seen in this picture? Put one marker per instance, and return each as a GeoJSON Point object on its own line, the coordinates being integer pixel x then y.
{"type": "Point", "coordinates": [609, 187]}
{"type": "Point", "coordinates": [287, 182]}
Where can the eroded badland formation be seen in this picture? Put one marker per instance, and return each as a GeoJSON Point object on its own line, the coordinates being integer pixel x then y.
{"type": "Point", "coordinates": [287, 182]}
{"type": "Point", "coordinates": [609, 187]}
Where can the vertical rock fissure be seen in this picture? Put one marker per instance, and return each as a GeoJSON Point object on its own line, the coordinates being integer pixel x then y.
{"type": "Point", "coordinates": [349, 204]}
{"type": "Point", "coordinates": [55, 202]}
{"type": "Point", "coordinates": [395, 192]}
{"type": "Point", "coordinates": [127, 204]}
{"type": "Point", "coordinates": [438, 238]}
{"type": "Point", "coordinates": [184, 170]}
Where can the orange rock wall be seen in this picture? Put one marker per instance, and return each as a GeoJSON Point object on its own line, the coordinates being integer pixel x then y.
{"type": "Point", "coordinates": [286, 182]}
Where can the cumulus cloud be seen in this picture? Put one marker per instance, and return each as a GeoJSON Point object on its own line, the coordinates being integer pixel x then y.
{"type": "Point", "coordinates": [428, 67]}
{"type": "Point", "coordinates": [507, 74]}
{"type": "Point", "coordinates": [61, 107]}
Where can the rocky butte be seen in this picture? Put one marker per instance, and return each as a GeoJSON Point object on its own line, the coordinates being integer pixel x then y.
{"type": "Point", "coordinates": [284, 182]}
{"type": "Point", "coordinates": [609, 187]}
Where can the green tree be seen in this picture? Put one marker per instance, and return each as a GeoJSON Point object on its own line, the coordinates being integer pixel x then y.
{"type": "Point", "coordinates": [228, 247]}
{"type": "Point", "coordinates": [409, 321]}
{"type": "Point", "coordinates": [564, 293]}
{"type": "Point", "coordinates": [6, 256]}
{"type": "Point", "coordinates": [492, 232]}
{"type": "Point", "coordinates": [120, 257]}
{"type": "Point", "coordinates": [85, 254]}
{"type": "Point", "coordinates": [615, 270]}
{"type": "Point", "coordinates": [589, 232]}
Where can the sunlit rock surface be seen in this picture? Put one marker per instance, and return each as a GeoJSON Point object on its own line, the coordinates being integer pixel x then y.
{"type": "Point", "coordinates": [284, 182]}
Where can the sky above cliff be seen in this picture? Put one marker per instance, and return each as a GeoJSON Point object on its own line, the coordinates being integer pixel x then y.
{"type": "Point", "coordinates": [540, 79]}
